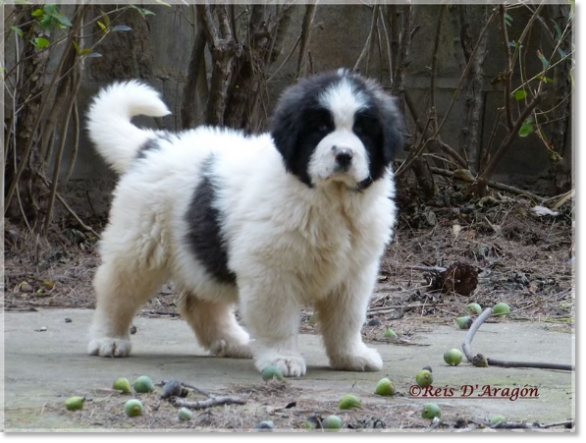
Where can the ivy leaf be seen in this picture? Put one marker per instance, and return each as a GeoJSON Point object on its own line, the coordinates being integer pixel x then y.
{"type": "Point", "coordinates": [38, 13]}
{"type": "Point", "coordinates": [526, 128]}
{"type": "Point", "coordinates": [121, 28]}
{"type": "Point", "coordinates": [163, 3]}
{"type": "Point", "coordinates": [17, 30]}
{"type": "Point", "coordinates": [40, 42]}
{"type": "Point", "coordinates": [142, 11]}
{"type": "Point", "coordinates": [47, 23]}
{"type": "Point", "coordinates": [520, 95]}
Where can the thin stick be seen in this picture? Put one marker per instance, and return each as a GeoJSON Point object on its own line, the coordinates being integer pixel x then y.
{"type": "Point", "coordinates": [466, 347]}
{"type": "Point", "coordinates": [210, 402]}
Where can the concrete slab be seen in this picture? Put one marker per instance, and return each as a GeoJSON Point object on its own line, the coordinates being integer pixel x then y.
{"type": "Point", "coordinates": [44, 368]}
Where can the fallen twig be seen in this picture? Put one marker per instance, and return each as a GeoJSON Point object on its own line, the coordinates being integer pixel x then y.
{"type": "Point", "coordinates": [466, 347]}
{"type": "Point", "coordinates": [204, 404]}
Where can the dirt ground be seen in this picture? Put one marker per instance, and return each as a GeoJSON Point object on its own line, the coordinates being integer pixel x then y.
{"type": "Point", "coordinates": [520, 258]}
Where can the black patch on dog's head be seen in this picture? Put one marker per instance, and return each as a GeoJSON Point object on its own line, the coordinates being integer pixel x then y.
{"type": "Point", "coordinates": [204, 233]}
{"type": "Point", "coordinates": [300, 122]}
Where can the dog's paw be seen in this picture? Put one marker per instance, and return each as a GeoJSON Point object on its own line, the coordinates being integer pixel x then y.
{"type": "Point", "coordinates": [231, 349]}
{"type": "Point", "coordinates": [361, 360]}
{"type": "Point", "coordinates": [110, 347]}
{"type": "Point", "coordinates": [289, 365]}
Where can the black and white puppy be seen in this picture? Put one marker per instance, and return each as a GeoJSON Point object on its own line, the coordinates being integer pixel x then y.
{"type": "Point", "coordinates": [297, 216]}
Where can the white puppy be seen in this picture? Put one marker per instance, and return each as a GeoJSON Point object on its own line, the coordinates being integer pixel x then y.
{"type": "Point", "coordinates": [297, 216]}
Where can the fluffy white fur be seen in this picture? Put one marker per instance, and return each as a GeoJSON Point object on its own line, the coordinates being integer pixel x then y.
{"type": "Point", "coordinates": [288, 244]}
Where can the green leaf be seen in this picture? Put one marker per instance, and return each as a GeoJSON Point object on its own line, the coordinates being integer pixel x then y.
{"type": "Point", "coordinates": [40, 42]}
{"type": "Point", "coordinates": [103, 27]}
{"type": "Point", "coordinates": [106, 18]}
{"type": "Point", "coordinates": [86, 51]}
{"type": "Point", "coordinates": [545, 79]}
{"type": "Point", "coordinates": [508, 19]}
{"type": "Point", "coordinates": [50, 9]}
{"type": "Point", "coordinates": [47, 23]}
{"type": "Point", "coordinates": [121, 28]}
{"type": "Point", "coordinates": [64, 20]}
{"type": "Point", "coordinates": [520, 95]}
{"type": "Point", "coordinates": [38, 13]}
{"type": "Point", "coordinates": [142, 11]}
{"type": "Point", "coordinates": [17, 30]}
{"type": "Point", "coordinates": [76, 46]}
{"type": "Point", "coordinates": [544, 61]}
{"type": "Point", "coordinates": [526, 128]}
{"type": "Point", "coordinates": [163, 3]}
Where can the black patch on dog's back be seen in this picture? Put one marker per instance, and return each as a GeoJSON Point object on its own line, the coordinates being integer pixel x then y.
{"type": "Point", "coordinates": [153, 144]}
{"type": "Point", "coordinates": [204, 232]}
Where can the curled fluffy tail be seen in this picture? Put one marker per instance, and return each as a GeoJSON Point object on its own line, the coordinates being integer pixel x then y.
{"type": "Point", "coordinates": [109, 125]}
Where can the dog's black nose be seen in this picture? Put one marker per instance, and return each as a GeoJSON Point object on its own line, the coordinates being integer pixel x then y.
{"type": "Point", "coordinates": [344, 157]}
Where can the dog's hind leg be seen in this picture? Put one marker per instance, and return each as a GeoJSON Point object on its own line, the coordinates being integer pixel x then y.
{"type": "Point", "coordinates": [120, 293]}
{"type": "Point", "coordinates": [215, 326]}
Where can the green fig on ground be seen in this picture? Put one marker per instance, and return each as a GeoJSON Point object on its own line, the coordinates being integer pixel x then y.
{"type": "Point", "coordinates": [431, 411]}
{"type": "Point", "coordinates": [385, 387]}
{"type": "Point", "coordinates": [272, 372]}
{"type": "Point", "coordinates": [474, 308]}
{"type": "Point", "coordinates": [74, 403]}
{"type": "Point", "coordinates": [389, 333]}
{"type": "Point", "coordinates": [424, 378]}
{"type": "Point", "coordinates": [501, 309]}
{"type": "Point", "coordinates": [464, 322]}
{"type": "Point", "coordinates": [453, 357]}
{"type": "Point", "coordinates": [332, 422]}
{"type": "Point", "coordinates": [350, 401]}
{"type": "Point", "coordinates": [133, 407]}
{"type": "Point", "coordinates": [122, 384]}
{"type": "Point", "coordinates": [144, 384]}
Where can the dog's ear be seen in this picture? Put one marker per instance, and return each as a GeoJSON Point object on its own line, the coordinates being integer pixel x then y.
{"type": "Point", "coordinates": [393, 127]}
{"type": "Point", "coordinates": [285, 128]}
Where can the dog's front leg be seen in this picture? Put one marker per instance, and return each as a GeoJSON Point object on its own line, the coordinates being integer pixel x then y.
{"type": "Point", "coordinates": [341, 316]}
{"type": "Point", "coordinates": [270, 310]}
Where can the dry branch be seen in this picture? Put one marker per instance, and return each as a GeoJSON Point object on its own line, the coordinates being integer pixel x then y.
{"type": "Point", "coordinates": [466, 347]}
{"type": "Point", "coordinates": [210, 402]}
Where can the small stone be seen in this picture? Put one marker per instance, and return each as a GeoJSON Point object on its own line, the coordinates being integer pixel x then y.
{"type": "Point", "coordinates": [42, 329]}
{"type": "Point", "coordinates": [133, 330]}
{"type": "Point", "coordinates": [374, 322]}
{"type": "Point", "coordinates": [67, 320]}
{"type": "Point", "coordinates": [266, 426]}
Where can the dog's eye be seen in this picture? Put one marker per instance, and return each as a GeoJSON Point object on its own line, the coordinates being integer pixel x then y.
{"type": "Point", "coordinates": [323, 128]}
{"type": "Point", "coordinates": [358, 129]}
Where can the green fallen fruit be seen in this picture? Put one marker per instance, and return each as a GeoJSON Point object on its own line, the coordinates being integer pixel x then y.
{"type": "Point", "coordinates": [385, 387]}
{"type": "Point", "coordinates": [431, 411]}
{"type": "Point", "coordinates": [74, 403]}
{"type": "Point", "coordinates": [501, 309]}
{"type": "Point", "coordinates": [185, 414]}
{"type": "Point", "coordinates": [464, 322]}
{"type": "Point", "coordinates": [272, 372]}
{"type": "Point", "coordinates": [122, 384]}
{"type": "Point", "coordinates": [453, 357]}
{"type": "Point", "coordinates": [474, 308]}
{"type": "Point", "coordinates": [498, 420]}
{"type": "Point", "coordinates": [350, 401]}
{"type": "Point", "coordinates": [424, 378]}
{"type": "Point", "coordinates": [389, 333]}
{"type": "Point", "coordinates": [133, 408]}
{"type": "Point", "coordinates": [144, 384]}
{"type": "Point", "coordinates": [332, 422]}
